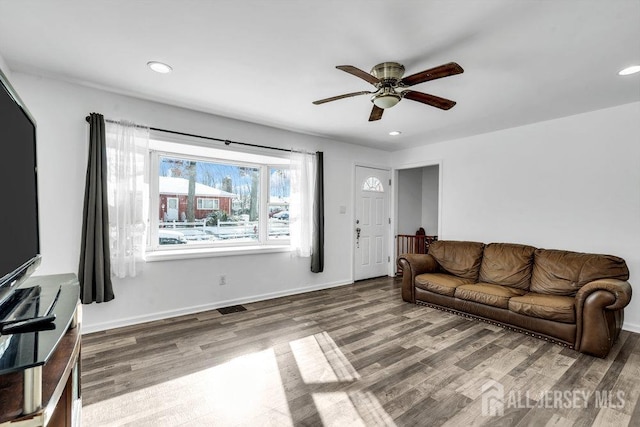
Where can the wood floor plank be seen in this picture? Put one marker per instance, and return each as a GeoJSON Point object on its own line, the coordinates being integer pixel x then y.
{"type": "Point", "coordinates": [351, 355]}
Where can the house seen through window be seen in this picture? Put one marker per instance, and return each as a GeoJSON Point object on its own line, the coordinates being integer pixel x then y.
{"type": "Point", "coordinates": [205, 201]}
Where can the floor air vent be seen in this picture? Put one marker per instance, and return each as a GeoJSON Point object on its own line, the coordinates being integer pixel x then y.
{"type": "Point", "coordinates": [232, 309]}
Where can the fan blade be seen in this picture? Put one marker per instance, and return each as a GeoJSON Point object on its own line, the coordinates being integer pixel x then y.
{"type": "Point", "coordinates": [346, 95]}
{"type": "Point", "coordinates": [425, 98]}
{"type": "Point", "coordinates": [376, 113]}
{"type": "Point", "coordinates": [431, 74]}
{"type": "Point", "coordinates": [359, 73]}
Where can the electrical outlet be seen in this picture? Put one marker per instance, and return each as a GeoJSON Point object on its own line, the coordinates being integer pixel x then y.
{"type": "Point", "coordinates": [223, 279]}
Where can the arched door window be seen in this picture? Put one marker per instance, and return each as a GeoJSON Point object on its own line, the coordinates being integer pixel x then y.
{"type": "Point", "coordinates": [372, 184]}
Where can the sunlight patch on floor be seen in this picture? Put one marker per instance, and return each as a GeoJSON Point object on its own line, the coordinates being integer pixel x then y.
{"type": "Point", "coordinates": [248, 391]}
{"type": "Point", "coordinates": [351, 409]}
{"type": "Point", "coordinates": [238, 392]}
{"type": "Point", "coordinates": [320, 360]}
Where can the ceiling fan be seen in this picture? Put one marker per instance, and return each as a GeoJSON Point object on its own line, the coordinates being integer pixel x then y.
{"type": "Point", "coordinates": [390, 86]}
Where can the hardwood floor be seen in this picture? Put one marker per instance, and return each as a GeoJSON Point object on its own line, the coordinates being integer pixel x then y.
{"type": "Point", "coordinates": [353, 355]}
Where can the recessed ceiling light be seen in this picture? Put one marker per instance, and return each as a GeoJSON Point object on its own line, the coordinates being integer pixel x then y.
{"type": "Point", "coordinates": [630, 70]}
{"type": "Point", "coordinates": [395, 133]}
{"type": "Point", "coordinates": [159, 67]}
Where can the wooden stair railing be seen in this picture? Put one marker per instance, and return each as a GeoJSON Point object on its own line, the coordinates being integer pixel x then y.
{"type": "Point", "coordinates": [412, 244]}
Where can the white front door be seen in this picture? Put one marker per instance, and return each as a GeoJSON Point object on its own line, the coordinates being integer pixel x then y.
{"type": "Point", "coordinates": [372, 223]}
{"type": "Point", "coordinates": [172, 208]}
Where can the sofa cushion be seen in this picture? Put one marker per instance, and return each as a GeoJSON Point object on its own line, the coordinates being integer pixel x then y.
{"type": "Point", "coordinates": [461, 259]}
{"type": "Point", "coordinates": [564, 273]}
{"type": "Point", "coordinates": [440, 283]}
{"type": "Point", "coordinates": [488, 294]}
{"type": "Point", "coordinates": [507, 264]}
{"type": "Point", "coordinates": [550, 307]}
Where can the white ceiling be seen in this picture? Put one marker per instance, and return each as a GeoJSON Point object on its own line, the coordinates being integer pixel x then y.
{"type": "Point", "coordinates": [266, 61]}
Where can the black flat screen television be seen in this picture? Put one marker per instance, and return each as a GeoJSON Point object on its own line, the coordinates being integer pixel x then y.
{"type": "Point", "coordinates": [19, 233]}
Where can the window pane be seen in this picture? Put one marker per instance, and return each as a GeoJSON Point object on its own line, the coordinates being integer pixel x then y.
{"type": "Point", "coordinates": [279, 196]}
{"type": "Point", "coordinates": [204, 202]}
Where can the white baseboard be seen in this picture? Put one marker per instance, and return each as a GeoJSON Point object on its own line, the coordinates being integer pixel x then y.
{"type": "Point", "coordinates": [87, 329]}
{"type": "Point", "coordinates": [631, 327]}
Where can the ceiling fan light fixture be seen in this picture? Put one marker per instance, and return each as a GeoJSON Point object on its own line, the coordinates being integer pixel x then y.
{"type": "Point", "coordinates": [386, 100]}
{"type": "Point", "coordinates": [630, 70]}
{"type": "Point", "coordinates": [390, 85]}
{"type": "Point", "coordinates": [159, 67]}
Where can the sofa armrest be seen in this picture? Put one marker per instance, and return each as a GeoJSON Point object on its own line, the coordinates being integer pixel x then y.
{"type": "Point", "coordinates": [599, 315]}
{"type": "Point", "coordinates": [413, 265]}
{"type": "Point", "coordinates": [620, 290]}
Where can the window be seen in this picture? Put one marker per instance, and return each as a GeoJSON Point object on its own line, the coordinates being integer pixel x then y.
{"type": "Point", "coordinates": [373, 184]}
{"type": "Point", "coordinates": [206, 197]}
{"type": "Point", "coordinates": [208, 204]}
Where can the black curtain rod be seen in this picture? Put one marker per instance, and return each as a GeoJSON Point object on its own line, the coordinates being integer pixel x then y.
{"type": "Point", "coordinates": [226, 141]}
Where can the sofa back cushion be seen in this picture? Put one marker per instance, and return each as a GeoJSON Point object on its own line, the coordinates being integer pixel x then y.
{"type": "Point", "coordinates": [462, 259]}
{"type": "Point", "coordinates": [564, 273]}
{"type": "Point", "coordinates": [507, 264]}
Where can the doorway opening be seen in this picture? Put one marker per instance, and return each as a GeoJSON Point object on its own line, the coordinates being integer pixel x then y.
{"type": "Point", "coordinates": [418, 209]}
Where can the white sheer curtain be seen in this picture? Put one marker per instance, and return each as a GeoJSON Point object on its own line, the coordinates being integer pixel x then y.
{"type": "Point", "coordinates": [127, 163]}
{"type": "Point", "coordinates": [301, 204]}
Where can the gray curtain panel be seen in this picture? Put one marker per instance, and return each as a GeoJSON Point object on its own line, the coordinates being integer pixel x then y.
{"type": "Point", "coordinates": [95, 265]}
{"type": "Point", "coordinates": [317, 242]}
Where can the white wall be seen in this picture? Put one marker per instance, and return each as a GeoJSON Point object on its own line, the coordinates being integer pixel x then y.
{"type": "Point", "coordinates": [571, 183]}
{"type": "Point", "coordinates": [175, 287]}
{"type": "Point", "coordinates": [4, 68]}
{"type": "Point", "coordinates": [430, 187]}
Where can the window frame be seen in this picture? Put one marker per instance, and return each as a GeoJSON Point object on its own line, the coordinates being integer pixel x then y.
{"type": "Point", "coordinates": [264, 243]}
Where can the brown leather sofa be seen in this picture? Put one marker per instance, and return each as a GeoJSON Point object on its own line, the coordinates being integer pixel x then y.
{"type": "Point", "coordinates": [571, 298]}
